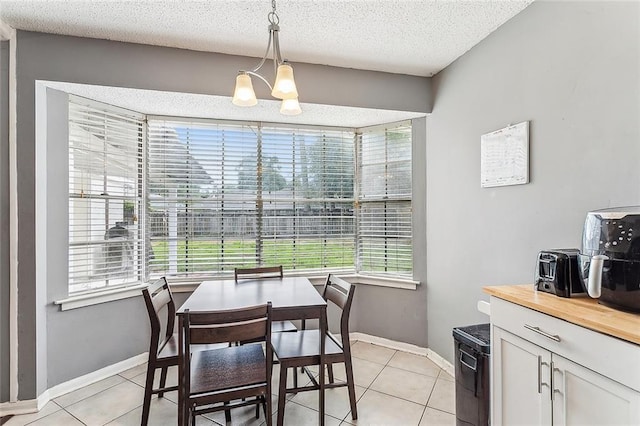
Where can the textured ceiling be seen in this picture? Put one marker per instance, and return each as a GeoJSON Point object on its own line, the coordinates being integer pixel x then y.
{"type": "Point", "coordinates": [416, 37]}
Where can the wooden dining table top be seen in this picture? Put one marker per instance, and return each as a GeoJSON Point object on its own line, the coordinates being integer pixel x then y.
{"type": "Point", "coordinates": [290, 297]}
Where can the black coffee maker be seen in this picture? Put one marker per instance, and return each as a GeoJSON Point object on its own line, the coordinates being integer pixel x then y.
{"type": "Point", "coordinates": [609, 262]}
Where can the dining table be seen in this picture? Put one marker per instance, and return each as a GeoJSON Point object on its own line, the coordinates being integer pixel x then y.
{"type": "Point", "coordinates": [292, 298]}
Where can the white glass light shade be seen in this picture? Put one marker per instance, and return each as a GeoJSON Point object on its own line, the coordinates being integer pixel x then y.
{"type": "Point", "coordinates": [285, 85]}
{"type": "Point", "coordinates": [244, 95]}
{"type": "Point", "coordinates": [290, 107]}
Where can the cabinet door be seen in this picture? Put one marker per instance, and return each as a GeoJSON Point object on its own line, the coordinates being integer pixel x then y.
{"type": "Point", "coordinates": [520, 381]}
{"type": "Point", "coordinates": [583, 397]}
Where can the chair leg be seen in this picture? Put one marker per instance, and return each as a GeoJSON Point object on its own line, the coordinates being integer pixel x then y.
{"type": "Point", "coordinates": [330, 370]}
{"type": "Point", "coordinates": [268, 408]}
{"type": "Point", "coordinates": [193, 419]}
{"type": "Point", "coordinates": [348, 366]}
{"type": "Point", "coordinates": [163, 380]}
{"type": "Point", "coordinates": [148, 387]}
{"type": "Point", "coordinates": [282, 393]}
{"type": "Point", "coordinates": [295, 377]}
{"type": "Point", "coordinates": [227, 414]}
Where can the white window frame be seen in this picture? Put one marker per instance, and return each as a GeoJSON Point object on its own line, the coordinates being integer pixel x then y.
{"type": "Point", "coordinates": [106, 294]}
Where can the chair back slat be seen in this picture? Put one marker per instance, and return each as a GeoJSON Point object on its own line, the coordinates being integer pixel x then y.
{"type": "Point", "coordinates": [161, 299]}
{"type": "Point", "coordinates": [231, 315]}
{"type": "Point", "coordinates": [247, 330]}
{"type": "Point", "coordinates": [228, 326]}
{"type": "Point", "coordinates": [337, 290]}
{"type": "Point", "coordinates": [158, 284]}
{"type": "Point", "coordinates": [260, 272]}
{"type": "Point", "coordinates": [336, 296]}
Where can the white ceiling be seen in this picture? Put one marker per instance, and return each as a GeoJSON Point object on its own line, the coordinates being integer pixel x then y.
{"type": "Point", "coordinates": [415, 37]}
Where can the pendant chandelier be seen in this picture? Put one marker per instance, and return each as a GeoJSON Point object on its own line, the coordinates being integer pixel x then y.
{"type": "Point", "coordinates": [284, 87]}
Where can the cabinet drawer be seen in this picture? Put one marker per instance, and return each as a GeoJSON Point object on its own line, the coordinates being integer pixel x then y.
{"type": "Point", "coordinates": [609, 356]}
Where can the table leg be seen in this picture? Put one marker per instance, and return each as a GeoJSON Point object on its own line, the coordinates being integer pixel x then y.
{"type": "Point", "coordinates": [282, 394]}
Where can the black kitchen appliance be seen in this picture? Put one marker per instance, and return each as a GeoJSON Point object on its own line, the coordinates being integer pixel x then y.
{"type": "Point", "coordinates": [557, 273]}
{"type": "Point", "coordinates": [609, 263]}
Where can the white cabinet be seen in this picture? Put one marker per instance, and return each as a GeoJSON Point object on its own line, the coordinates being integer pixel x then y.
{"type": "Point", "coordinates": [547, 371]}
{"type": "Point", "coordinates": [584, 397]}
{"type": "Point", "coordinates": [519, 394]}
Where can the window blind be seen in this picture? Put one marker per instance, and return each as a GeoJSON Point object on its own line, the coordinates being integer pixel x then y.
{"type": "Point", "coordinates": [384, 200]}
{"type": "Point", "coordinates": [105, 193]}
{"type": "Point", "coordinates": [225, 195]}
{"type": "Point", "coordinates": [308, 221]}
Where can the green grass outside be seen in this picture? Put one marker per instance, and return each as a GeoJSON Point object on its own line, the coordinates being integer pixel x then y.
{"type": "Point", "coordinates": [212, 255]}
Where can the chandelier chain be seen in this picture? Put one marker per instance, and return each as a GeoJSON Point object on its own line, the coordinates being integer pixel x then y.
{"type": "Point", "coordinates": [273, 17]}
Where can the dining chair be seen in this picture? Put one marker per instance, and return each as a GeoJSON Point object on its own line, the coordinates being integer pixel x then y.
{"type": "Point", "coordinates": [302, 349]}
{"type": "Point", "coordinates": [261, 273]}
{"type": "Point", "coordinates": [163, 350]}
{"type": "Point", "coordinates": [230, 377]}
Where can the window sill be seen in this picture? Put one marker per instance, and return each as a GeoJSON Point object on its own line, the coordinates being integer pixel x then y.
{"type": "Point", "coordinates": [80, 301]}
{"type": "Point", "coordinates": [400, 283]}
{"type": "Point", "coordinates": [90, 299]}
{"type": "Point", "coordinates": [318, 280]}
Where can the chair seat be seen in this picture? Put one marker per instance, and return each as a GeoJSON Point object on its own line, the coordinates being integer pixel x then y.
{"type": "Point", "coordinates": [303, 344]}
{"type": "Point", "coordinates": [225, 368]}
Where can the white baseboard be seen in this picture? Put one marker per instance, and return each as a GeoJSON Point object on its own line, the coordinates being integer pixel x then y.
{"type": "Point", "coordinates": [35, 405]}
{"type": "Point", "coordinates": [441, 362]}
{"type": "Point", "coordinates": [19, 407]}
{"type": "Point", "coordinates": [405, 347]}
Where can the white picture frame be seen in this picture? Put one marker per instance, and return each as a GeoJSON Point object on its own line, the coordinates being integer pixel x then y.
{"type": "Point", "coordinates": [504, 156]}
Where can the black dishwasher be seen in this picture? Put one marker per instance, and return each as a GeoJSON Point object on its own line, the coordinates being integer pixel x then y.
{"type": "Point", "coordinates": [472, 359]}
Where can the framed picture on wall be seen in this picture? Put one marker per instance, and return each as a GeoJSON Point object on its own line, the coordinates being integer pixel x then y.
{"type": "Point", "coordinates": [504, 156]}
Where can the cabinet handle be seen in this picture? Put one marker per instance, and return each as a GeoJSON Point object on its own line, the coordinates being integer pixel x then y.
{"type": "Point", "coordinates": [551, 381]}
{"type": "Point", "coordinates": [539, 374]}
{"type": "Point", "coordinates": [553, 337]}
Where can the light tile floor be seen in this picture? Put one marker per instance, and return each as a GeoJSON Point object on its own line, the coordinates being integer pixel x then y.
{"type": "Point", "coordinates": [393, 388]}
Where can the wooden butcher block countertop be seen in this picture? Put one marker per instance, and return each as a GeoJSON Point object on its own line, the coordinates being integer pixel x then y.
{"type": "Point", "coordinates": [582, 311]}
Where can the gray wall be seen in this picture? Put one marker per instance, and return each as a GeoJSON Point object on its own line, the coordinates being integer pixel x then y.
{"type": "Point", "coordinates": [80, 341]}
{"type": "Point", "coordinates": [572, 68]}
{"type": "Point", "coordinates": [4, 221]}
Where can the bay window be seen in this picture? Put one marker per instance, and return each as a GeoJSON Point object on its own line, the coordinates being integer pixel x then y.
{"type": "Point", "coordinates": [192, 199]}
